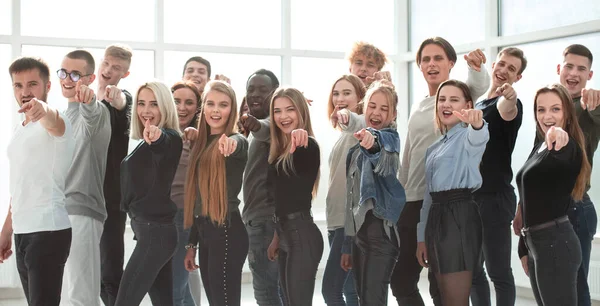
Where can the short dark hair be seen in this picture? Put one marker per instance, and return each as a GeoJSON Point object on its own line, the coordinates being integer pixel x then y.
{"type": "Point", "coordinates": [518, 53]}
{"type": "Point", "coordinates": [580, 50]}
{"type": "Point", "coordinates": [444, 44]}
{"type": "Point", "coordinates": [200, 60]}
{"type": "Point", "coordinates": [268, 73]}
{"type": "Point", "coordinates": [29, 63]}
{"type": "Point", "coordinates": [86, 56]}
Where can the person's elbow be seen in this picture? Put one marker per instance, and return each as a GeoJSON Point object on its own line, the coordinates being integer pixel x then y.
{"type": "Point", "coordinates": [509, 115]}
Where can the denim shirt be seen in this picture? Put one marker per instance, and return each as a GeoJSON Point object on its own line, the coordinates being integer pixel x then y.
{"type": "Point", "coordinates": [379, 185]}
{"type": "Point", "coordinates": [452, 162]}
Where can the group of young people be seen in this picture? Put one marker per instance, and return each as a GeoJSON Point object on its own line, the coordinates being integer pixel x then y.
{"type": "Point", "coordinates": [446, 204]}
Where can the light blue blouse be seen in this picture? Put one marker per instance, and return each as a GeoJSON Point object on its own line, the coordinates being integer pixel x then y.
{"type": "Point", "coordinates": [452, 162]}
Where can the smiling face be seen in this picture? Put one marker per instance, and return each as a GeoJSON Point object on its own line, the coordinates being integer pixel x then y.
{"type": "Point", "coordinates": [147, 107]}
{"type": "Point", "coordinates": [258, 95]}
{"type": "Point", "coordinates": [435, 65]}
{"type": "Point", "coordinates": [574, 73]}
{"type": "Point", "coordinates": [549, 111]}
{"type": "Point", "coordinates": [378, 112]}
{"type": "Point", "coordinates": [344, 96]}
{"type": "Point", "coordinates": [197, 73]}
{"type": "Point", "coordinates": [67, 85]}
{"type": "Point", "coordinates": [451, 98]}
{"type": "Point", "coordinates": [187, 106]}
{"type": "Point", "coordinates": [285, 115]}
{"type": "Point", "coordinates": [506, 70]}
{"type": "Point", "coordinates": [216, 110]}
{"type": "Point", "coordinates": [112, 70]}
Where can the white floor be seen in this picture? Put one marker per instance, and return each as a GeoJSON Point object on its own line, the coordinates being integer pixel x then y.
{"type": "Point", "coordinates": [248, 297]}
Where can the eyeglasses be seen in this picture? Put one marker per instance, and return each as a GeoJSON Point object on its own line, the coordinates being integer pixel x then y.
{"type": "Point", "coordinates": [74, 75]}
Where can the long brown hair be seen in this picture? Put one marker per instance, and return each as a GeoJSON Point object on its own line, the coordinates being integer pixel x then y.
{"type": "Point", "coordinates": [279, 153]}
{"type": "Point", "coordinates": [465, 91]}
{"type": "Point", "coordinates": [359, 89]}
{"type": "Point", "coordinates": [206, 171]}
{"type": "Point", "coordinates": [573, 129]}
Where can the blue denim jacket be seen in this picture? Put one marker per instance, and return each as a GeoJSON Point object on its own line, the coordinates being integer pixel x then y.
{"type": "Point", "coordinates": [378, 181]}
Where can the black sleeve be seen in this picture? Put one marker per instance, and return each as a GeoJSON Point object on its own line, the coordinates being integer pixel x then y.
{"type": "Point", "coordinates": [522, 248]}
{"type": "Point", "coordinates": [241, 151]}
{"type": "Point", "coordinates": [307, 159]}
{"type": "Point", "coordinates": [168, 143]}
{"type": "Point", "coordinates": [566, 154]}
{"type": "Point", "coordinates": [121, 119]}
{"type": "Point", "coordinates": [194, 238]}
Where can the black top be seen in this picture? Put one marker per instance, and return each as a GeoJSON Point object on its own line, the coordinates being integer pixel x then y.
{"type": "Point", "coordinates": [294, 193]}
{"type": "Point", "coordinates": [117, 150]}
{"type": "Point", "coordinates": [496, 168]}
{"type": "Point", "coordinates": [545, 184]}
{"type": "Point", "coordinates": [146, 177]}
{"type": "Point", "coordinates": [234, 171]}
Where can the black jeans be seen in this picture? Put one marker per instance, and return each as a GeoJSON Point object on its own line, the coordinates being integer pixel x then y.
{"type": "Point", "coordinates": [497, 211]}
{"type": "Point", "coordinates": [222, 252]}
{"type": "Point", "coordinates": [554, 258]}
{"type": "Point", "coordinates": [149, 269]}
{"type": "Point", "coordinates": [300, 251]}
{"type": "Point", "coordinates": [584, 220]}
{"type": "Point", "coordinates": [41, 259]}
{"type": "Point", "coordinates": [112, 251]}
{"type": "Point", "coordinates": [407, 271]}
{"type": "Point", "coordinates": [374, 257]}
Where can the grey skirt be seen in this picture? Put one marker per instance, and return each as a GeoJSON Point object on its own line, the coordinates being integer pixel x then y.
{"type": "Point", "coordinates": [454, 233]}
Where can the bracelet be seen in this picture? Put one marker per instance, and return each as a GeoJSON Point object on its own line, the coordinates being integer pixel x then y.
{"type": "Point", "coordinates": [191, 246]}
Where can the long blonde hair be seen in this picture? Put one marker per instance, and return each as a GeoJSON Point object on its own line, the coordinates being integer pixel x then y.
{"type": "Point", "coordinates": [166, 107]}
{"type": "Point", "coordinates": [279, 153]}
{"type": "Point", "coordinates": [573, 130]}
{"type": "Point", "coordinates": [206, 172]}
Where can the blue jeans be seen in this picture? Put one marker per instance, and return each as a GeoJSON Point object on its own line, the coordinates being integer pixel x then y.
{"type": "Point", "coordinates": [265, 273]}
{"type": "Point", "coordinates": [584, 220]}
{"type": "Point", "coordinates": [497, 210]}
{"type": "Point", "coordinates": [337, 283]}
{"type": "Point", "coordinates": [181, 289]}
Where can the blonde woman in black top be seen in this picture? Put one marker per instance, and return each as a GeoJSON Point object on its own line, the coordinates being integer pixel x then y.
{"type": "Point", "coordinates": [294, 176]}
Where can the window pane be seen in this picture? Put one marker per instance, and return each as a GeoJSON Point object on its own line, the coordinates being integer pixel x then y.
{"type": "Point", "coordinates": [335, 25]}
{"type": "Point", "coordinates": [440, 18]}
{"type": "Point", "coordinates": [224, 23]}
{"type": "Point", "coordinates": [142, 68]}
{"type": "Point", "coordinates": [541, 70]}
{"type": "Point", "coordinates": [418, 86]}
{"type": "Point", "coordinates": [109, 19]}
{"type": "Point", "coordinates": [236, 67]}
{"type": "Point", "coordinates": [5, 17]}
{"type": "Point", "coordinates": [516, 16]}
{"type": "Point", "coordinates": [7, 121]}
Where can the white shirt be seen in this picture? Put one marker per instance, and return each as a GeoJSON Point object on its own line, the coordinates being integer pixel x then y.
{"type": "Point", "coordinates": [39, 163]}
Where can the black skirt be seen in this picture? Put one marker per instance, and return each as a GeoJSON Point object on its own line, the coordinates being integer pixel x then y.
{"type": "Point", "coordinates": [454, 233]}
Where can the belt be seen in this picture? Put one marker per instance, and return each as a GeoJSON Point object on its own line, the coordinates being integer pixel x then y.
{"type": "Point", "coordinates": [299, 215]}
{"type": "Point", "coordinates": [544, 225]}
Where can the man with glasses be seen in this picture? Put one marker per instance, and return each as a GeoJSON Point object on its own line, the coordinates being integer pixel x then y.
{"type": "Point", "coordinates": [83, 189]}
{"type": "Point", "coordinates": [113, 68]}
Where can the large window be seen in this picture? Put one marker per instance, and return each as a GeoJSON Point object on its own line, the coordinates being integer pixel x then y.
{"type": "Point", "coordinates": [459, 22]}
{"type": "Point", "coordinates": [142, 68]}
{"type": "Point", "coordinates": [516, 16]}
{"type": "Point", "coordinates": [224, 23]}
{"type": "Point", "coordinates": [335, 25]}
{"type": "Point", "coordinates": [7, 121]}
{"type": "Point", "coordinates": [236, 67]}
{"type": "Point", "coordinates": [5, 17]}
{"type": "Point", "coordinates": [107, 19]}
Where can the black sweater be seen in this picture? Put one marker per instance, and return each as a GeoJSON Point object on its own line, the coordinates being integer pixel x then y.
{"type": "Point", "coordinates": [117, 150]}
{"type": "Point", "coordinates": [293, 193]}
{"type": "Point", "coordinates": [146, 177]}
{"type": "Point", "coordinates": [545, 183]}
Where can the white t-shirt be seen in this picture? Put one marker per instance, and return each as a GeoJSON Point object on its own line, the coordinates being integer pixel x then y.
{"type": "Point", "coordinates": [39, 163]}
